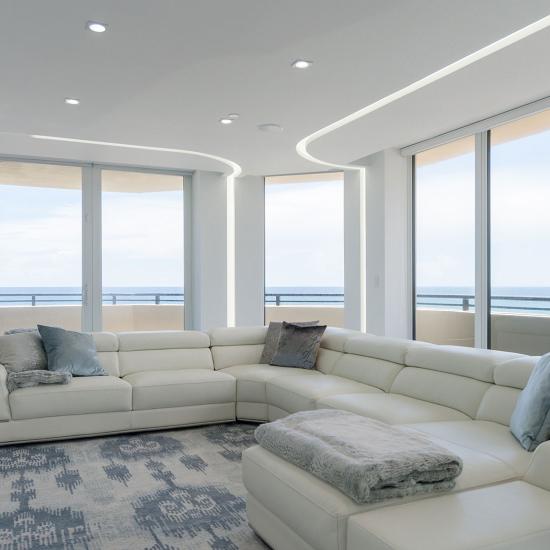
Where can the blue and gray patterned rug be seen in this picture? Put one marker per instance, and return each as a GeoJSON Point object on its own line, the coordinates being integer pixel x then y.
{"type": "Point", "coordinates": [175, 490]}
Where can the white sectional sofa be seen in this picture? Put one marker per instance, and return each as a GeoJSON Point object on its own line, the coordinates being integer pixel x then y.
{"type": "Point", "coordinates": [460, 398]}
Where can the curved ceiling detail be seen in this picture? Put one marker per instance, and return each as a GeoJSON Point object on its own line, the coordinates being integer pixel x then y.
{"type": "Point", "coordinates": [302, 147]}
{"type": "Point", "coordinates": [236, 170]}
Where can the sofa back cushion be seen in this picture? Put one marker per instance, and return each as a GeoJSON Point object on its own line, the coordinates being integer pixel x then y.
{"type": "Point", "coordinates": [237, 346]}
{"type": "Point", "coordinates": [515, 372]}
{"type": "Point", "coordinates": [372, 360]}
{"type": "Point", "coordinates": [332, 348]}
{"type": "Point", "coordinates": [163, 350]}
{"type": "Point", "coordinates": [106, 344]}
{"type": "Point", "coordinates": [498, 404]}
{"type": "Point", "coordinates": [450, 390]}
{"type": "Point", "coordinates": [478, 364]}
{"type": "Point", "coordinates": [510, 376]}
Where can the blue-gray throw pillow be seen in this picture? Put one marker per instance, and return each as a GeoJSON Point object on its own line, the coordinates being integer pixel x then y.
{"type": "Point", "coordinates": [298, 346]}
{"type": "Point", "coordinates": [72, 352]}
{"type": "Point", "coordinates": [530, 421]}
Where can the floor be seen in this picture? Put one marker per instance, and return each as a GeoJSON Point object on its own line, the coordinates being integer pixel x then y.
{"type": "Point", "coordinates": [171, 490]}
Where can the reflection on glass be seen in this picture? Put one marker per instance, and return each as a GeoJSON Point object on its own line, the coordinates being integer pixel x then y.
{"type": "Point", "coordinates": [445, 243]}
{"type": "Point", "coordinates": [143, 274]}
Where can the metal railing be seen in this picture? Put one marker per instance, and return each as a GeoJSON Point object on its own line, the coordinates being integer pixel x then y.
{"type": "Point", "coordinates": [466, 302]}
{"type": "Point", "coordinates": [114, 298]}
{"type": "Point", "coordinates": [303, 298]}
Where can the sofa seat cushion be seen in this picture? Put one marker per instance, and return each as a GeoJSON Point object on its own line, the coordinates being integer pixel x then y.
{"type": "Point", "coordinates": [300, 393]}
{"type": "Point", "coordinates": [391, 408]}
{"type": "Point", "coordinates": [490, 438]}
{"type": "Point", "coordinates": [251, 379]}
{"type": "Point", "coordinates": [506, 516]}
{"type": "Point", "coordinates": [166, 389]}
{"type": "Point", "coordinates": [83, 395]}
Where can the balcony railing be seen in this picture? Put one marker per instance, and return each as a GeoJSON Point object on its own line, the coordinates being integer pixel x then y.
{"type": "Point", "coordinates": [465, 302]}
{"type": "Point", "coordinates": [114, 298]}
{"type": "Point", "coordinates": [303, 298]}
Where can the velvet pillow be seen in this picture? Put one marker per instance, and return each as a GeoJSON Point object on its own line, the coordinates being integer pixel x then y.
{"type": "Point", "coordinates": [22, 351]}
{"type": "Point", "coordinates": [72, 352]}
{"type": "Point", "coordinates": [530, 421]}
{"type": "Point", "coordinates": [272, 338]}
{"type": "Point", "coordinates": [298, 346]}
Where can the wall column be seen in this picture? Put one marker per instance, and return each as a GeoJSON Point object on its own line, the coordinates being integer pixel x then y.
{"type": "Point", "coordinates": [387, 273]}
{"type": "Point", "coordinates": [206, 242]}
{"type": "Point", "coordinates": [249, 250]}
{"type": "Point", "coordinates": [354, 257]}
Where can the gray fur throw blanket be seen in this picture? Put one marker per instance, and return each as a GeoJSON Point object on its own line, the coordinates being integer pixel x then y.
{"type": "Point", "coordinates": [366, 459]}
{"type": "Point", "coordinates": [28, 378]}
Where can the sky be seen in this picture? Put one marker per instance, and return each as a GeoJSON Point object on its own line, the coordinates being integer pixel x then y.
{"type": "Point", "coordinates": [42, 238]}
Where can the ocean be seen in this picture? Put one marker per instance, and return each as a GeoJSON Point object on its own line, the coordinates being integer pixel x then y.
{"type": "Point", "coordinates": [506, 299]}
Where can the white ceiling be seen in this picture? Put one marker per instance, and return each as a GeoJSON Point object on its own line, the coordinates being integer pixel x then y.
{"type": "Point", "coordinates": [166, 71]}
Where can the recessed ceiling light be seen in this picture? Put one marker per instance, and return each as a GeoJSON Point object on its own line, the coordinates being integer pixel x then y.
{"type": "Point", "coordinates": [301, 64]}
{"type": "Point", "coordinates": [226, 120]}
{"type": "Point", "coordinates": [233, 116]}
{"type": "Point", "coordinates": [72, 101]}
{"type": "Point", "coordinates": [96, 26]}
{"type": "Point", "coordinates": [270, 127]}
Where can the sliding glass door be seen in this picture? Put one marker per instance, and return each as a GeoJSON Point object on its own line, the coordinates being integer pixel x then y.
{"type": "Point", "coordinates": [143, 265]}
{"type": "Point", "coordinates": [520, 235]}
{"type": "Point", "coordinates": [41, 245]}
{"type": "Point", "coordinates": [445, 243]}
{"type": "Point", "coordinates": [482, 233]}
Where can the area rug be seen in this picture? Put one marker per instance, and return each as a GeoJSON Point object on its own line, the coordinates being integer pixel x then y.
{"type": "Point", "coordinates": [172, 490]}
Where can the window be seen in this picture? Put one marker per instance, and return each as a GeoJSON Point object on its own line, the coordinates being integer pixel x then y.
{"type": "Point", "coordinates": [520, 235]}
{"type": "Point", "coordinates": [304, 248]}
{"type": "Point", "coordinates": [143, 273]}
{"type": "Point", "coordinates": [41, 245]}
{"type": "Point", "coordinates": [445, 243]}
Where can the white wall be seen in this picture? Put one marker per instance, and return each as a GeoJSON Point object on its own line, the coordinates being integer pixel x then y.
{"type": "Point", "coordinates": [249, 250]}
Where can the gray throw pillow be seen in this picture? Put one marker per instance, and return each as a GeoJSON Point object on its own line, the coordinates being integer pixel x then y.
{"type": "Point", "coordinates": [22, 351]}
{"type": "Point", "coordinates": [530, 422]}
{"type": "Point", "coordinates": [30, 378]}
{"type": "Point", "coordinates": [298, 346]}
{"type": "Point", "coordinates": [272, 338]}
{"type": "Point", "coordinates": [69, 351]}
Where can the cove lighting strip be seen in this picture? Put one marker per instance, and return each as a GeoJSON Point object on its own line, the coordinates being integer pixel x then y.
{"type": "Point", "coordinates": [236, 170]}
{"type": "Point", "coordinates": [302, 145]}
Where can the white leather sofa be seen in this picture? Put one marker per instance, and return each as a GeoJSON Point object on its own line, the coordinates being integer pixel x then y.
{"type": "Point", "coordinates": [461, 398]}
{"type": "Point", "coordinates": [156, 380]}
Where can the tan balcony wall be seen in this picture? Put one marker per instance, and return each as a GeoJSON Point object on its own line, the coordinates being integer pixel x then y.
{"type": "Point", "coordinates": [520, 333]}
{"type": "Point", "coordinates": [115, 318]}
{"type": "Point", "coordinates": [441, 326]}
{"type": "Point", "coordinates": [326, 315]}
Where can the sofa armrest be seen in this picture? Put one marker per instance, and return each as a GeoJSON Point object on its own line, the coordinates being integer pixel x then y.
{"type": "Point", "coordinates": [539, 469]}
{"type": "Point", "coordinates": [4, 395]}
